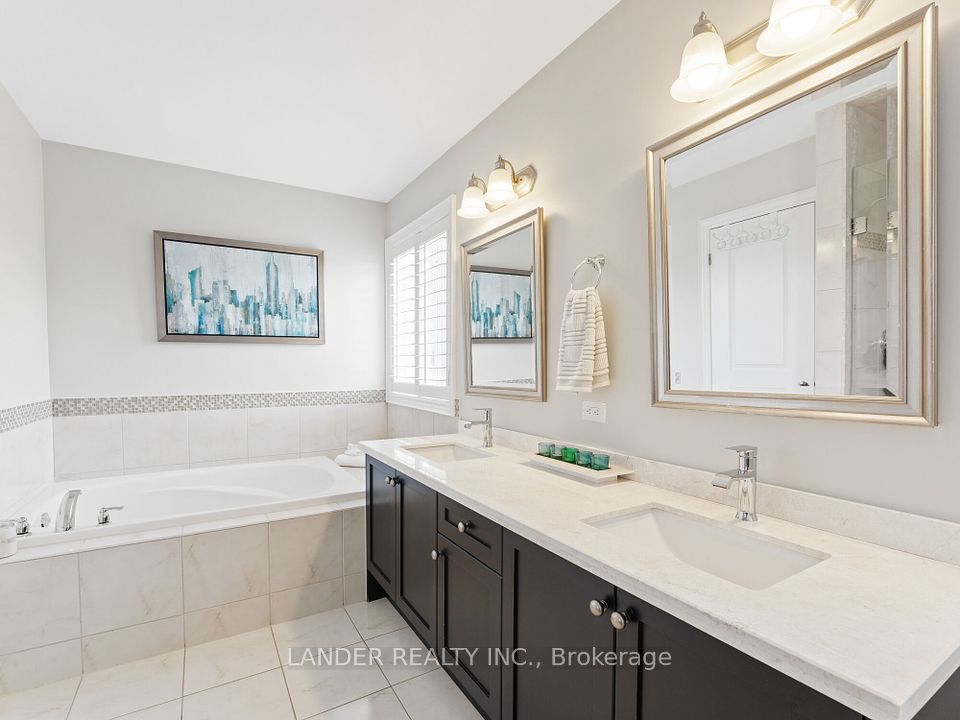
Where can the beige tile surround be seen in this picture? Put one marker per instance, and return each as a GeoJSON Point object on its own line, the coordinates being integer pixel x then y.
{"type": "Point", "coordinates": [96, 609]}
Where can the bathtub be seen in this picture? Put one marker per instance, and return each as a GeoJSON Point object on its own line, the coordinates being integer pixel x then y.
{"type": "Point", "coordinates": [190, 499]}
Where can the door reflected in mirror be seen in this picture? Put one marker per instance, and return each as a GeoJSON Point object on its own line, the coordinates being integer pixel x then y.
{"type": "Point", "coordinates": [503, 316]}
{"type": "Point", "coordinates": [783, 258]}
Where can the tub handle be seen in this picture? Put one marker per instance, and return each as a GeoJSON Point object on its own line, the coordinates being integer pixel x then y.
{"type": "Point", "coordinates": [103, 517]}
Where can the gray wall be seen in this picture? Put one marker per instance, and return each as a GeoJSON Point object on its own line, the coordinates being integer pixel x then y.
{"type": "Point", "coordinates": [585, 121]}
{"type": "Point", "coordinates": [101, 211]}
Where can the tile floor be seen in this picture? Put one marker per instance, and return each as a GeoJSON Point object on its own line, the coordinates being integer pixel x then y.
{"type": "Point", "coordinates": [250, 677]}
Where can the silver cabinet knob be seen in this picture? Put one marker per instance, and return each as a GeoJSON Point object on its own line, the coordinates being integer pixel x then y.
{"type": "Point", "coordinates": [598, 607]}
{"type": "Point", "coordinates": [618, 620]}
{"type": "Point", "coordinates": [434, 554]}
{"type": "Point", "coordinates": [462, 526]}
{"type": "Point", "coordinates": [804, 383]}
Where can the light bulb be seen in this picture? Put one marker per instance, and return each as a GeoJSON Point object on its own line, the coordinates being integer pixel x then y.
{"type": "Point", "coordinates": [500, 187]}
{"type": "Point", "coordinates": [472, 205]}
{"type": "Point", "coordinates": [704, 70]}
{"type": "Point", "coordinates": [797, 24]}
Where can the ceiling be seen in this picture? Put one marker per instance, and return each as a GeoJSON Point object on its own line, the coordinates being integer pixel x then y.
{"type": "Point", "coordinates": [354, 97]}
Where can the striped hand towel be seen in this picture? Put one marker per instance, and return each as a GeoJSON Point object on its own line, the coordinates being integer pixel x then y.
{"type": "Point", "coordinates": [583, 365]}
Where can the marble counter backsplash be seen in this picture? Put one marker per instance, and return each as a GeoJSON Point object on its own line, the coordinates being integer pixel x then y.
{"type": "Point", "coordinates": [924, 536]}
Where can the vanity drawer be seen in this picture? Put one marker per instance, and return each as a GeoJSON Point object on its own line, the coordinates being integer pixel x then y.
{"type": "Point", "coordinates": [479, 536]}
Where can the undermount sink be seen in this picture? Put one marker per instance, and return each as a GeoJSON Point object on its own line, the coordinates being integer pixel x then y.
{"type": "Point", "coordinates": [450, 452]}
{"type": "Point", "coordinates": [734, 554]}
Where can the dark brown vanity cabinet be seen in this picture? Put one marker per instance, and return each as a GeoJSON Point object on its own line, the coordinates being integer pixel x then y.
{"type": "Point", "coordinates": [469, 625]}
{"type": "Point", "coordinates": [417, 540]}
{"type": "Point", "coordinates": [401, 538]}
{"type": "Point", "coordinates": [685, 673]}
{"type": "Point", "coordinates": [382, 525]}
{"type": "Point", "coordinates": [540, 626]}
{"type": "Point", "coordinates": [546, 605]}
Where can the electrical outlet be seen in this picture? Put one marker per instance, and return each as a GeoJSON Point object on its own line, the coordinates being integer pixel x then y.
{"type": "Point", "coordinates": [594, 411]}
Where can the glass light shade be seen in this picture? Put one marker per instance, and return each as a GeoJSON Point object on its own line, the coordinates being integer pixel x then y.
{"type": "Point", "coordinates": [796, 24]}
{"type": "Point", "coordinates": [704, 70]}
{"type": "Point", "coordinates": [500, 187]}
{"type": "Point", "coordinates": [472, 204]}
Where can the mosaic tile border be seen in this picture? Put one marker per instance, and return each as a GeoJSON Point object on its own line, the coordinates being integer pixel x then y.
{"type": "Point", "coordinates": [18, 416]}
{"type": "Point", "coordinates": [136, 404]}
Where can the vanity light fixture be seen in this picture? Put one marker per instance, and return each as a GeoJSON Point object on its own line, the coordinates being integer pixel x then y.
{"type": "Point", "coordinates": [472, 205]}
{"type": "Point", "coordinates": [797, 24]}
{"type": "Point", "coordinates": [704, 70]}
{"type": "Point", "coordinates": [503, 187]}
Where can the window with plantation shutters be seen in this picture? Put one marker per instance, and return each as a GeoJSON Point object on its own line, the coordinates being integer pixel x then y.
{"type": "Point", "coordinates": [419, 295]}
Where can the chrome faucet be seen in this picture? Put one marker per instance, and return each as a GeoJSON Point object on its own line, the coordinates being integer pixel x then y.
{"type": "Point", "coordinates": [746, 473]}
{"type": "Point", "coordinates": [66, 515]}
{"type": "Point", "coordinates": [487, 423]}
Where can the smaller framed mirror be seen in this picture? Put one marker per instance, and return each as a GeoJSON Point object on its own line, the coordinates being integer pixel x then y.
{"type": "Point", "coordinates": [503, 310]}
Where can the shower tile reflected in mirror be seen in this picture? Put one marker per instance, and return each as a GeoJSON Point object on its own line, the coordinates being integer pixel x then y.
{"type": "Point", "coordinates": [784, 273]}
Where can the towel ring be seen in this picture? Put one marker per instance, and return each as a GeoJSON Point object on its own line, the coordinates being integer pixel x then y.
{"type": "Point", "coordinates": [597, 261]}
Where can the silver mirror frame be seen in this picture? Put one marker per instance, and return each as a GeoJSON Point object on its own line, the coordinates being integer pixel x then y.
{"type": "Point", "coordinates": [913, 40]}
{"type": "Point", "coordinates": [533, 218]}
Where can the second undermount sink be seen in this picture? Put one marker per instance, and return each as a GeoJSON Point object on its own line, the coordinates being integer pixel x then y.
{"type": "Point", "coordinates": [729, 552]}
{"type": "Point", "coordinates": [449, 452]}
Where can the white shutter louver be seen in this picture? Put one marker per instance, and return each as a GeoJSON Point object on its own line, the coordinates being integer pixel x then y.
{"type": "Point", "coordinates": [419, 301]}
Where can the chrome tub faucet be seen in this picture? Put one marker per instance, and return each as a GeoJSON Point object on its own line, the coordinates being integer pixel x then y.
{"type": "Point", "coordinates": [66, 514]}
{"type": "Point", "coordinates": [746, 474]}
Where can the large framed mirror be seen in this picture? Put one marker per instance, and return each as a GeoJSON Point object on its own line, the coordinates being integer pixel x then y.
{"type": "Point", "coordinates": [792, 242]}
{"type": "Point", "coordinates": [503, 310]}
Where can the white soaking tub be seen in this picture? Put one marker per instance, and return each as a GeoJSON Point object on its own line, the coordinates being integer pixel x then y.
{"type": "Point", "coordinates": [189, 498]}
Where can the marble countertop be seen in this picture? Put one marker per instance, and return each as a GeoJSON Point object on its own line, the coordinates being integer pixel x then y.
{"type": "Point", "coordinates": [873, 628]}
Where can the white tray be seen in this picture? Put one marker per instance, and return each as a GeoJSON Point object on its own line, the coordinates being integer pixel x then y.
{"type": "Point", "coordinates": [614, 471]}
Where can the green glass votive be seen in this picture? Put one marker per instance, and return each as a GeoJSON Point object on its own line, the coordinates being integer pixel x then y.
{"type": "Point", "coordinates": [557, 452]}
{"type": "Point", "coordinates": [585, 458]}
{"type": "Point", "coordinates": [601, 461]}
{"type": "Point", "coordinates": [545, 449]}
{"type": "Point", "coordinates": [569, 454]}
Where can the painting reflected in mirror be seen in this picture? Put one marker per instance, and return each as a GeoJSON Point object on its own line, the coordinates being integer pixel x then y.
{"type": "Point", "coordinates": [502, 277]}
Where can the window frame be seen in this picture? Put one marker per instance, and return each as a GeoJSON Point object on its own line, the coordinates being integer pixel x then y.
{"type": "Point", "coordinates": [441, 400]}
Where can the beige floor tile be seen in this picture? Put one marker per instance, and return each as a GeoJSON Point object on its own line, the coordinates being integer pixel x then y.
{"type": "Point", "coordinates": [261, 697]}
{"type": "Point", "coordinates": [434, 696]}
{"type": "Point", "coordinates": [402, 655]}
{"type": "Point", "coordinates": [328, 629]}
{"type": "Point", "coordinates": [123, 689]}
{"type": "Point", "coordinates": [229, 659]}
{"type": "Point", "coordinates": [167, 711]}
{"type": "Point", "coordinates": [381, 705]}
{"type": "Point", "coordinates": [318, 688]}
{"type": "Point", "coordinates": [375, 618]}
{"type": "Point", "coordinates": [47, 702]}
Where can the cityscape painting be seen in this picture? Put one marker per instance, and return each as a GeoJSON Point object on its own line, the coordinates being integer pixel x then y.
{"type": "Point", "coordinates": [501, 305]}
{"type": "Point", "coordinates": [212, 289]}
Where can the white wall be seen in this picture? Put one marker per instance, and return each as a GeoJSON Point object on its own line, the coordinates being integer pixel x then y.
{"type": "Point", "coordinates": [24, 369]}
{"type": "Point", "coordinates": [585, 121]}
{"type": "Point", "coordinates": [26, 454]}
{"type": "Point", "coordinates": [101, 211]}
{"type": "Point", "coordinates": [774, 174]}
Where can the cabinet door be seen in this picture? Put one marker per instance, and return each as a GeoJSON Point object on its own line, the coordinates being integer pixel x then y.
{"type": "Point", "coordinates": [546, 605]}
{"type": "Point", "coordinates": [382, 525]}
{"type": "Point", "coordinates": [417, 539]}
{"type": "Point", "coordinates": [703, 677]}
{"type": "Point", "coordinates": [469, 625]}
